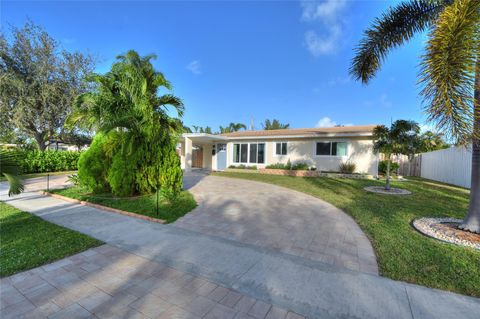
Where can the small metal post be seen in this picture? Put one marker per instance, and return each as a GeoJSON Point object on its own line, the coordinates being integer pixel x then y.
{"type": "Point", "coordinates": [48, 182]}
{"type": "Point", "coordinates": [157, 201]}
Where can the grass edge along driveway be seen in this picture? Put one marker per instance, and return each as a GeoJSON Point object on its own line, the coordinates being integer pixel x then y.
{"type": "Point", "coordinates": [402, 253]}
{"type": "Point", "coordinates": [142, 205]}
{"type": "Point", "coordinates": [28, 241]}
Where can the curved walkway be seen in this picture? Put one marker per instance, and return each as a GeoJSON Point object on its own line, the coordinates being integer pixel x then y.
{"type": "Point", "coordinates": [277, 218]}
{"type": "Point", "coordinates": [263, 276]}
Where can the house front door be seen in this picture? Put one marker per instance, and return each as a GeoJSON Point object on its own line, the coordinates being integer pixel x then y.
{"type": "Point", "coordinates": [221, 157]}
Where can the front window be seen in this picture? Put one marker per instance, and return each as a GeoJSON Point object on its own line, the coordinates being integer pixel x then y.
{"type": "Point", "coordinates": [281, 148]}
{"type": "Point", "coordinates": [331, 149]}
{"type": "Point", "coordinates": [249, 153]}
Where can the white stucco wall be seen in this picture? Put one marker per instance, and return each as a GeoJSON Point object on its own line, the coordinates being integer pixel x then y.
{"type": "Point", "coordinates": [359, 151]}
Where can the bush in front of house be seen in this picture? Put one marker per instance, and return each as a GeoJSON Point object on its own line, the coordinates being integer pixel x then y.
{"type": "Point", "coordinates": [34, 161]}
{"type": "Point", "coordinates": [347, 167]}
{"type": "Point", "coordinates": [382, 167]}
{"type": "Point", "coordinates": [300, 166]}
{"type": "Point", "coordinates": [243, 166]}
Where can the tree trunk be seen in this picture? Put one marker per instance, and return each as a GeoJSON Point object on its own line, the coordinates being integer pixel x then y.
{"type": "Point", "coordinates": [40, 138]}
{"type": "Point", "coordinates": [472, 220]}
{"type": "Point", "coordinates": [387, 185]}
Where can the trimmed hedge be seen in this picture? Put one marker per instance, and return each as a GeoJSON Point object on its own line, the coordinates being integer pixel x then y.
{"type": "Point", "coordinates": [47, 161]}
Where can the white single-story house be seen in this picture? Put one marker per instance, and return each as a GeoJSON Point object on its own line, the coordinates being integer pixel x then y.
{"type": "Point", "coordinates": [322, 148]}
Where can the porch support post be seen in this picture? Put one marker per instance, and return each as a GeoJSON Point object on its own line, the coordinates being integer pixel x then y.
{"type": "Point", "coordinates": [188, 154]}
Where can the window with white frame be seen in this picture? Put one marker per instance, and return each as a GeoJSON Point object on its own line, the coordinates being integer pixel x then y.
{"type": "Point", "coordinates": [281, 148]}
{"type": "Point", "coordinates": [249, 153]}
{"type": "Point", "coordinates": [331, 149]}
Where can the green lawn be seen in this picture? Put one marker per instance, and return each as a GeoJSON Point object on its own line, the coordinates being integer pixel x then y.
{"type": "Point", "coordinates": [143, 205]}
{"type": "Point", "coordinates": [28, 241]}
{"type": "Point", "coordinates": [26, 176]}
{"type": "Point", "coordinates": [402, 253]}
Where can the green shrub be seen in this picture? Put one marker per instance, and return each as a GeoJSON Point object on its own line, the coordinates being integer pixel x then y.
{"type": "Point", "coordinates": [93, 165]}
{"type": "Point", "coordinates": [276, 166]}
{"type": "Point", "coordinates": [300, 166]}
{"type": "Point", "coordinates": [121, 175]}
{"type": "Point", "coordinates": [347, 167]}
{"type": "Point", "coordinates": [34, 161]}
{"type": "Point", "coordinates": [382, 167]}
{"type": "Point", "coordinates": [171, 174]}
{"type": "Point", "coordinates": [243, 166]}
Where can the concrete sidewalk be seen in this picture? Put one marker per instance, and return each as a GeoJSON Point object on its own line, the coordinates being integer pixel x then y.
{"type": "Point", "coordinates": [306, 287]}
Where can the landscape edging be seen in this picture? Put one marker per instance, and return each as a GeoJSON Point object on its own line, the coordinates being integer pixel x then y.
{"type": "Point", "coordinates": [109, 209]}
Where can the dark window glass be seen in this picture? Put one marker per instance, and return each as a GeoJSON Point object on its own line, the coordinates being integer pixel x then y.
{"type": "Point", "coordinates": [253, 153]}
{"type": "Point", "coordinates": [243, 153]}
{"type": "Point", "coordinates": [323, 148]}
{"type": "Point", "coordinates": [334, 148]}
{"type": "Point", "coordinates": [281, 148]}
{"type": "Point", "coordinates": [236, 153]}
{"type": "Point", "coordinates": [261, 153]}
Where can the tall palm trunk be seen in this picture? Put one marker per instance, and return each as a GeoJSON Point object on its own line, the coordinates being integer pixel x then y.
{"type": "Point", "coordinates": [387, 184]}
{"type": "Point", "coordinates": [472, 220]}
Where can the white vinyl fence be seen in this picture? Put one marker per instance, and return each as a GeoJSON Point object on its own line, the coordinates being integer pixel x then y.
{"type": "Point", "coordinates": [452, 165]}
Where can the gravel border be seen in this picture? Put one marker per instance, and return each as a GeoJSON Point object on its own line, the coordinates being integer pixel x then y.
{"type": "Point", "coordinates": [392, 191]}
{"type": "Point", "coordinates": [424, 226]}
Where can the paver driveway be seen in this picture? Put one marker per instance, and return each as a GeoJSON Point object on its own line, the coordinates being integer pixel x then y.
{"type": "Point", "coordinates": [277, 218]}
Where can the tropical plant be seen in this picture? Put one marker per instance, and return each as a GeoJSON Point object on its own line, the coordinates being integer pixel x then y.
{"type": "Point", "coordinates": [430, 141]}
{"type": "Point", "coordinates": [38, 83]}
{"type": "Point", "coordinates": [124, 105]}
{"type": "Point", "coordinates": [10, 169]}
{"type": "Point", "coordinates": [274, 125]}
{"type": "Point", "coordinates": [382, 166]}
{"type": "Point", "coordinates": [347, 167]}
{"type": "Point", "coordinates": [450, 72]}
{"type": "Point", "coordinates": [393, 141]}
{"type": "Point", "coordinates": [232, 127]}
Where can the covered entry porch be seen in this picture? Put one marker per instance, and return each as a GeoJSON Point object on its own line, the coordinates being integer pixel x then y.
{"type": "Point", "coordinates": [201, 150]}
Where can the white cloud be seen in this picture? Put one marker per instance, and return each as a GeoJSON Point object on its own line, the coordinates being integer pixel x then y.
{"type": "Point", "coordinates": [195, 67]}
{"type": "Point", "coordinates": [326, 122]}
{"type": "Point", "coordinates": [327, 13]}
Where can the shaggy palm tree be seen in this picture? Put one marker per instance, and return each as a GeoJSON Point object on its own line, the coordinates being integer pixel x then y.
{"type": "Point", "coordinates": [125, 105]}
{"type": "Point", "coordinates": [10, 169]}
{"type": "Point", "coordinates": [450, 70]}
{"type": "Point", "coordinates": [393, 141]}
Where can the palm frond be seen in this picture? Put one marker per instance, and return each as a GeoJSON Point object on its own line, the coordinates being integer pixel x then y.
{"type": "Point", "coordinates": [169, 99]}
{"type": "Point", "coordinates": [9, 167]}
{"type": "Point", "coordinates": [449, 67]}
{"type": "Point", "coordinates": [395, 27]}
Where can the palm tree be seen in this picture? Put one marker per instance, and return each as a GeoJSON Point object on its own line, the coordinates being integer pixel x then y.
{"type": "Point", "coordinates": [126, 99]}
{"type": "Point", "coordinates": [274, 125]}
{"type": "Point", "coordinates": [393, 141]}
{"type": "Point", "coordinates": [232, 127]}
{"type": "Point", "coordinates": [450, 70]}
{"type": "Point", "coordinates": [11, 170]}
{"type": "Point", "coordinates": [126, 103]}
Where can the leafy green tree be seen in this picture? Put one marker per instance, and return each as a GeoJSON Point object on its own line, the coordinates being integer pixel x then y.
{"type": "Point", "coordinates": [274, 125]}
{"type": "Point", "coordinates": [393, 141]}
{"type": "Point", "coordinates": [38, 82]}
{"type": "Point", "coordinates": [10, 169]}
{"type": "Point", "coordinates": [450, 72]}
{"type": "Point", "coordinates": [124, 104]}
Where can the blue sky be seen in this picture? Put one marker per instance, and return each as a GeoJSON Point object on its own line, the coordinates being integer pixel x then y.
{"type": "Point", "coordinates": [231, 60]}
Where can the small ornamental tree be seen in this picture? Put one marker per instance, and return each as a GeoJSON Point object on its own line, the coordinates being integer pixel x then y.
{"type": "Point", "coordinates": [393, 141]}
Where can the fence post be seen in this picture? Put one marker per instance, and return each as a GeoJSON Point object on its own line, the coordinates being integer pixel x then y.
{"type": "Point", "coordinates": [48, 183]}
